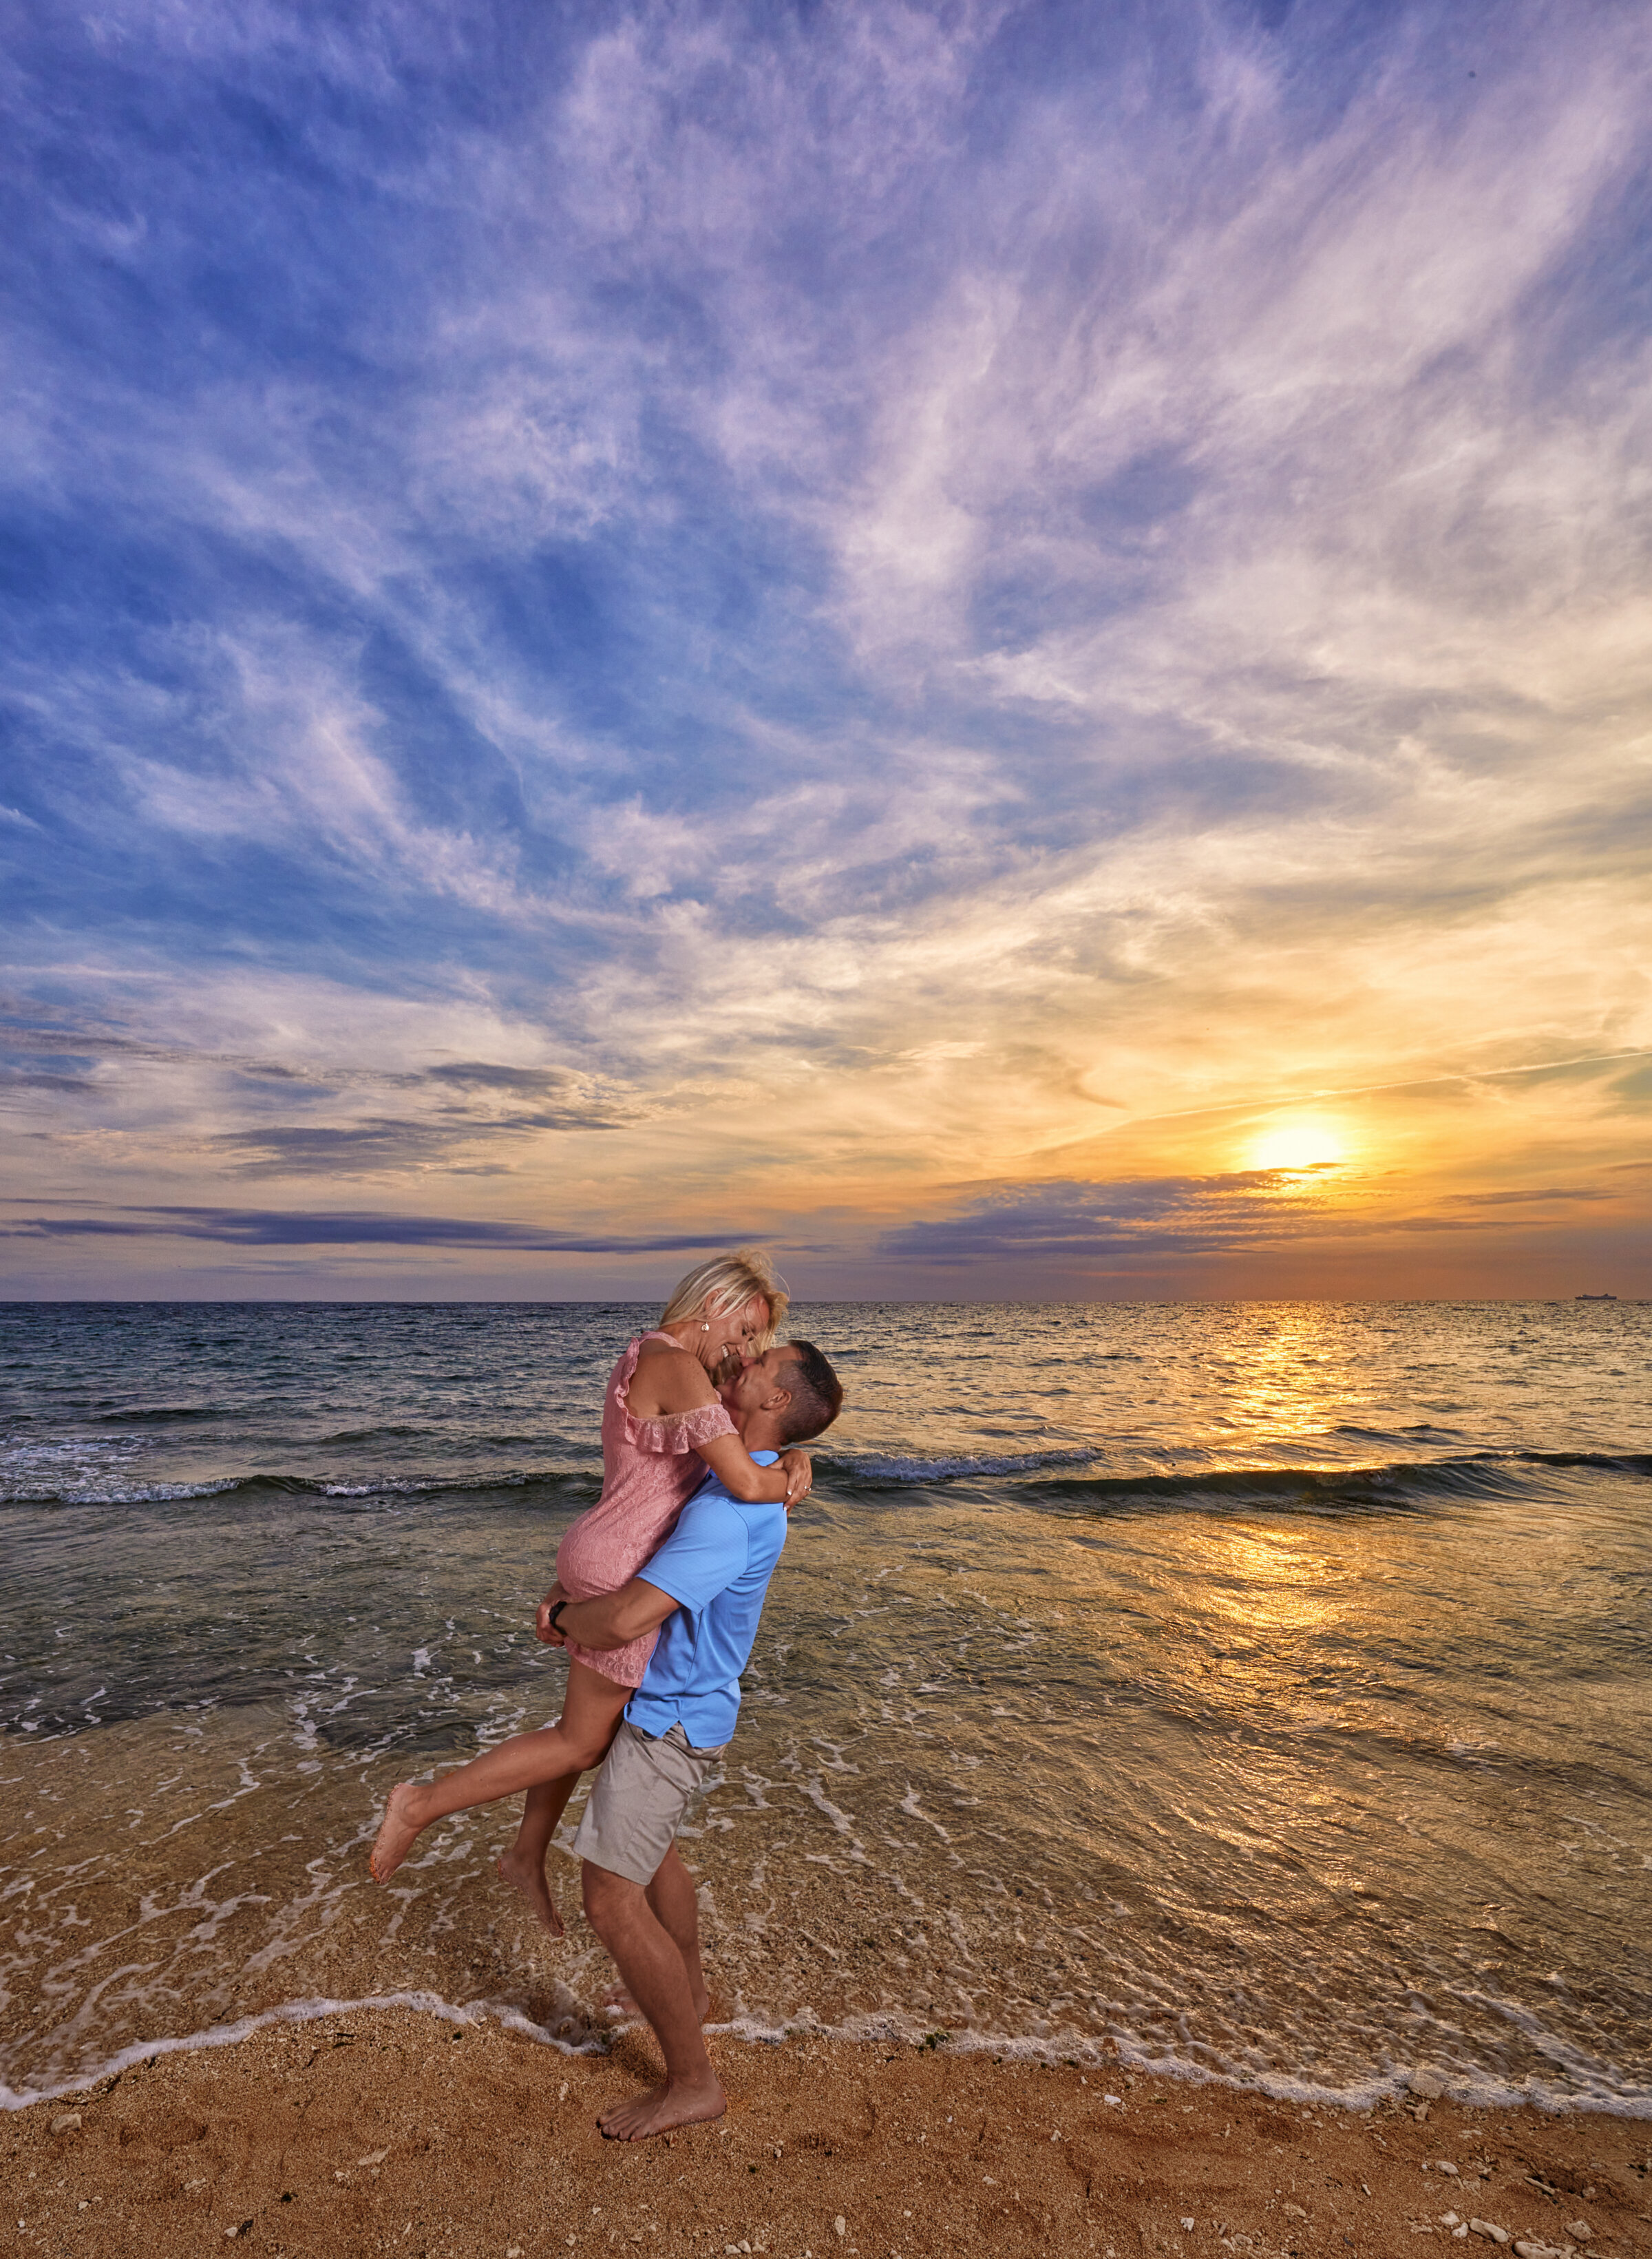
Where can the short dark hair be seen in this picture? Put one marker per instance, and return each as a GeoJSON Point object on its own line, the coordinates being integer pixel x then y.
{"type": "Point", "coordinates": [817, 1394]}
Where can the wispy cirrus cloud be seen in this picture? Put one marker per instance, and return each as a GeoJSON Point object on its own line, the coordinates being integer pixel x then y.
{"type": "Point", "coordinates": [854, 590]}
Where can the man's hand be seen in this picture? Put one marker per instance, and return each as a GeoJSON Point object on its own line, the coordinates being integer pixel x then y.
{"type": "Point", "coordinates": [799, 1470]}
{"type": "Point", "coordinates": [542, 1630]}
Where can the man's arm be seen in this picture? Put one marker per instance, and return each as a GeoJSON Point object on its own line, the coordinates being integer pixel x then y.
{"type": "Point", "coordinates": [611, 1620]}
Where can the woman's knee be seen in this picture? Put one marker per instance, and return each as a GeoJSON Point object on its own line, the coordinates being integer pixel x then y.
{"type": "Point", "coordinates": [584, 1751]}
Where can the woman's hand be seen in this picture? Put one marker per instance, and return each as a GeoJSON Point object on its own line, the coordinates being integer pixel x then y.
{"type": "Point", "coordinates": [542, 1630]}
{"type": "Point", "coordinates": [799, 1470]}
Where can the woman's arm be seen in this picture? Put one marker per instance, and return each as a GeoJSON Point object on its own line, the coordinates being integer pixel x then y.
{"type": "Point", "coordinates": [740, 1475]}
{"type": "Point", "coordinates": [669, 1381]}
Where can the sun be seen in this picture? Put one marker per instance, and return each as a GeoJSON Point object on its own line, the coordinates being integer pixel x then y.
{"type": "Point", "coordinates": [1297, 1146]}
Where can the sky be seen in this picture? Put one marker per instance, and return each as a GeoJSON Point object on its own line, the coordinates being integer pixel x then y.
{"type": "Point", "coordinates": [1006, 647]}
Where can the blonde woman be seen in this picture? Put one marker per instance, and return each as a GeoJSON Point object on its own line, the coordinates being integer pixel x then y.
{"type": "Point", "coordinates": [663, 1426]}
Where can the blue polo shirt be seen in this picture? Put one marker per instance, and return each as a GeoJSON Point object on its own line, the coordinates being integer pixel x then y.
{"type": "Point", "coordinates": [715, 1565]}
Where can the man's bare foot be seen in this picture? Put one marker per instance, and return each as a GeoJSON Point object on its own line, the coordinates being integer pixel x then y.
{"type": "Point", "coordinates": [620, 2003]}
{"type": "Point", "coordinates": [661, 2108]}
{"type": "Point", "coordinates": [397, 1833]}
{"type": "Point", "coordinates": [528, 1876]}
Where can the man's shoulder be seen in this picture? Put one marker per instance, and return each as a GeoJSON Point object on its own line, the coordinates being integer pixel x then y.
{"type": "Point", "coordinates": [711, 1516]}
{"type": "Point", "coordinates": [712, 1507]}
{"type": "Point", "coordinates": [710, 1498]}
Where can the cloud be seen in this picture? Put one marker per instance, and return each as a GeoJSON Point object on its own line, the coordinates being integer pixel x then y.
{"type": "Point", "coordinates": [518, 1082]}
{"type": "Point", "coordinates": [370, 1148]}
{"type": "Point", "coordinates": [1064, 1223]}
{"type": "Point", "coordinates": [289, 1227]}
{"type": "Point", "coordinates": [1542, 1194]}
{"type": "Point", "coordinates": [465, 1105]}
{"type": "Point", "coordinates": [814, 590]}
{"type": "Point", "coordinates": [379, 1143]}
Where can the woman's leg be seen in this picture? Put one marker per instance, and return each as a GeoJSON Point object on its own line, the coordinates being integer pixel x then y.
{"type": "Point", "coordinates": [580, 1738]}
{"type": "Point", "coordinates": [522, 1865]}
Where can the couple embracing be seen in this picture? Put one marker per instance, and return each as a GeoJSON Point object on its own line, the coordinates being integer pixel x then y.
{"type": "Point", "coordinates": [658, 1591]}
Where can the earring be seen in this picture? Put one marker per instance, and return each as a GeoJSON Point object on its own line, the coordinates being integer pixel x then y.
{"type": "Point", "coordinates": [705, 1329]}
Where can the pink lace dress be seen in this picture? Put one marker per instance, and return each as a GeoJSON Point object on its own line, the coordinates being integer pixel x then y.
{"type": "Point", "coordinates": [651, 1469]}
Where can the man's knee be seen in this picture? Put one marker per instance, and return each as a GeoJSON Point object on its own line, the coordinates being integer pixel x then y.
{"type": "Point", "coordinates": [607, 1898]}
{"type": "Point", "coordinates": [671, 1879]}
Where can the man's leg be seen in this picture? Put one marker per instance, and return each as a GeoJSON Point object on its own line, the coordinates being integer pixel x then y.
{"type": "Point", "coordinates": [671, 1896]}
{"type": "Point", "coordinates": [667, 1986]}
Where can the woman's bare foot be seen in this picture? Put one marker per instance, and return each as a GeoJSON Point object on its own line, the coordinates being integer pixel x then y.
{"type": "Point", "coordinates": [661, 2108]}
{"type": "Point", "coordinates": [528, 1876]}
{"type": "Point", "coordinates": [397, 1832]}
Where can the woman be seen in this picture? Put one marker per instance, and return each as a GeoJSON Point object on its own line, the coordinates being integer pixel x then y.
{"type": "Point", "coordinates": [663, 1425]}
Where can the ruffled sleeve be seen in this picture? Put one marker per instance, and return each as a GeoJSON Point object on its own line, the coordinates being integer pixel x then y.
{"type": "Point", "coordinates": [678, 1432]}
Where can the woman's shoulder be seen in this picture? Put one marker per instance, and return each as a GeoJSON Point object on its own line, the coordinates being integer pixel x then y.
{"type": "Point", "coordinates": [668, 1380]}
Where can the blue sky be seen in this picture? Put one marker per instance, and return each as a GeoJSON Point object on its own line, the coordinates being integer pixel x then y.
{"type": "Point", "coordinates": [908, 630]}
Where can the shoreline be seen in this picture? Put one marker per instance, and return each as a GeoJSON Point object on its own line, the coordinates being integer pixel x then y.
{"type": "Point", "coordinates": [1402, 2090]}
{"type": "Point", "coordinates": [393, 2128]}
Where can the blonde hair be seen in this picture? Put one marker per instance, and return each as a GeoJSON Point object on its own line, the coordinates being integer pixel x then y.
{"type": "Point", "coordinates": [724, 1284]}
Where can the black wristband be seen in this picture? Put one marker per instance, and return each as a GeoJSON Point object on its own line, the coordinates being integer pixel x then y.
{"type": "Point", "coordinates": [551, 1620]}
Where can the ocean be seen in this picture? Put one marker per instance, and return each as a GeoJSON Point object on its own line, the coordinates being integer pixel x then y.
{"type": "Point", "coordinates": [1254, 1692]}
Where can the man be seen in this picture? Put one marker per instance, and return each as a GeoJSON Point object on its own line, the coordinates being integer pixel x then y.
{"type": "Point", "coordinates": [703, 1589]}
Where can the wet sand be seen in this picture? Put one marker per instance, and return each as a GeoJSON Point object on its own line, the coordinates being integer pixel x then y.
{"type": "Point", "coordinates": [388, 2130]}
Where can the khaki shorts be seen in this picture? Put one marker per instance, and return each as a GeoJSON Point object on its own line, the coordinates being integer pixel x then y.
{"type": "Point", "coordinates": [641, 1793]}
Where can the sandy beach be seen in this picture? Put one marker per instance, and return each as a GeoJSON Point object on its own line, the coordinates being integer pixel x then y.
{"type": "Point", "coordinates": [388, 2130]}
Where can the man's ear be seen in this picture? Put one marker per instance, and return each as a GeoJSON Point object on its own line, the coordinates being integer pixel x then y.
{"type": "Point", "coordinates": [776, 1400]}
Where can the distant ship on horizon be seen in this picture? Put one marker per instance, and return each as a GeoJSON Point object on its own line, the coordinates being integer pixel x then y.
{"type": "Point", "coordinates": [1594, 1298]}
